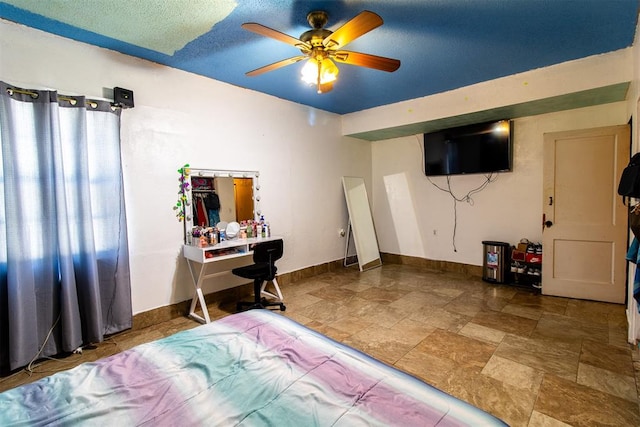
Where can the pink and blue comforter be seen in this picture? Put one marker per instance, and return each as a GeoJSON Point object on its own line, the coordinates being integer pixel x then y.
{"type": "Point", "coordinates": [255, 368]}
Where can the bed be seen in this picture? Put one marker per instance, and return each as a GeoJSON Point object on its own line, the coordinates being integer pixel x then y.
{"type": "Point", "coordinates": [252, 368]}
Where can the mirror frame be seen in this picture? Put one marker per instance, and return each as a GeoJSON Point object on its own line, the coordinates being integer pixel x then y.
{"type": "Point", "coordinates": [360, 224]}
{"type": "Point", "coordinates": [219, 173]}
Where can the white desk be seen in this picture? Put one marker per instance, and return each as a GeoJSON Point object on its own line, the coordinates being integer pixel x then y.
{"type": "Point", "coordinates": [225, 256]}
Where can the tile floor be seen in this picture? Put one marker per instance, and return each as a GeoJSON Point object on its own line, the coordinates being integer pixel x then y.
{"type": "Point", "coordinates": [531, 360]}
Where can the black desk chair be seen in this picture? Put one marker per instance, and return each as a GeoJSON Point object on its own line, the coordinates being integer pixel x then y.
{"type": "Point", "coordinates": [263, 270]}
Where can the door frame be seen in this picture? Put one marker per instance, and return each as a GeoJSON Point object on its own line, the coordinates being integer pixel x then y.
{"type": "Point", "coordinates": [619, 216]}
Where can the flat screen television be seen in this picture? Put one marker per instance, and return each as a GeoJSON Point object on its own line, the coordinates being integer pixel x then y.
{"type": "Point", "coordinates": [479, 148]}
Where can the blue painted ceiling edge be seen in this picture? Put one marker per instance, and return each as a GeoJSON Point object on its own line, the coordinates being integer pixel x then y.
{"type": "Point", "coordinates": [442, 44]}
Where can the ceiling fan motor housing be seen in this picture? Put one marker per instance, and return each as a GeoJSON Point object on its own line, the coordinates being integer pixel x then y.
{"type": "Point", "coordinates": [315, 37]}
{"type": "Point", "coordinates": [317, 19]}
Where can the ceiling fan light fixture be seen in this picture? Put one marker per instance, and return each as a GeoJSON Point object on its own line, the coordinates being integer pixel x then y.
{"type": "Point", "coordinates": [319, 73]}
{"type": "Point", "coordinates": [319, 46]}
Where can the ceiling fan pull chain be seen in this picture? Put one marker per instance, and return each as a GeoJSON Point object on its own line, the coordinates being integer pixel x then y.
{"type": "Point", "coordinates": [319, 74]}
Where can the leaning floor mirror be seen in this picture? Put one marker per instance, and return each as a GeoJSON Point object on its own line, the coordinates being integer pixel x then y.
{"type": "Point", "coordinates": [361, 224]}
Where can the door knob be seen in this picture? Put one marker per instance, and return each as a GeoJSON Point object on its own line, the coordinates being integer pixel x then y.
{"type": "Point", "coordinates": [548, 224]}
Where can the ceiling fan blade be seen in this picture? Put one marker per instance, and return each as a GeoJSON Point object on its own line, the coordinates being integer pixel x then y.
{"type": "Point", "coordinates": [360, 24]}
{"type": "Point", "coordinates": [366, 60]}
{"type": "Point", "coordinates": [275, 65]}
{"type": "Point", "coordinates": [274, 34]}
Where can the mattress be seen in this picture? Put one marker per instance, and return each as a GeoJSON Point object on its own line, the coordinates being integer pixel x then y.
{"type": "Point", "coordinates": [256, 368]}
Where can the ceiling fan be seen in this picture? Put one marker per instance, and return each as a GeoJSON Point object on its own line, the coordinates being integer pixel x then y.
{"type": "Point", "coordinates": [320, 47]}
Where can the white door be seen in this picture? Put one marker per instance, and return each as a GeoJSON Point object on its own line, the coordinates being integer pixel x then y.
{"type": "Point", "coordinates": [585, 222]}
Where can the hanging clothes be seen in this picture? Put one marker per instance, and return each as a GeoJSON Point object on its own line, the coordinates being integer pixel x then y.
{"type": "Point", "coordinates": [633, 255]}
{"type": "Point", "coordinates": [212, 203]}
{"type": "Point", "coordinates": [201, 212]}
{"type": "Point", "coordinates": [194, 210]}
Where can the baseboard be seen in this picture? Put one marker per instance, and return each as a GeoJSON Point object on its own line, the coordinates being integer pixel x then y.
{"type": "Point", "coordinates": [446, 266]}
{"type": "Point", "coordinates": [229, 296]}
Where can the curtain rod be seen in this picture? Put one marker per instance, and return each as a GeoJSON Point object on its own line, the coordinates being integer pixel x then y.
{"type": "Point", "coordinates": [70, 100]}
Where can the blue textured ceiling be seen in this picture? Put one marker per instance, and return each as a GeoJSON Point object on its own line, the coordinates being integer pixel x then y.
{"type": "Point", "coordinates": [442, 44]}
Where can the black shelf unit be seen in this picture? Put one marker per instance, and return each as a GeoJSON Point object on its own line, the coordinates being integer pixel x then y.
{"type": "Point", "coordinates": [528, 265]}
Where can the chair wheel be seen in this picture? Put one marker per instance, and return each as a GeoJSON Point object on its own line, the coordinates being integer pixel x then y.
{"type": "Point", "coordinates": [282, 307]}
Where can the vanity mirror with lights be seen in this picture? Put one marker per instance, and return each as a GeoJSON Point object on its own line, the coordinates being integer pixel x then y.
{"type": "Point", "coordinates": [211, 197]}
{"type": "Point", "coordinates": [217, 195]}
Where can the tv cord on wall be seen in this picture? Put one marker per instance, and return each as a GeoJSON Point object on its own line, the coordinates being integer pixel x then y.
{"type": "Point", "coordinates": [466, 198]}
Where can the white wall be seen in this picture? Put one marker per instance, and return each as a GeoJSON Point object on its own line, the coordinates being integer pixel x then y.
{"type": "Point", "coordinates": [184, 118]}
{"type": "Point", "coordinates": [415, 218]}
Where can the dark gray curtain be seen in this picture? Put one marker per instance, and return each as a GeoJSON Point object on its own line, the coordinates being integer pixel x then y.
{"type": "Point", "coordinates": [64, 264]}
